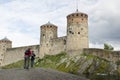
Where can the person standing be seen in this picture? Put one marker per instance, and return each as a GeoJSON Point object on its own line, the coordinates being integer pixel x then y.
{"type": "Point", "coordinates": [27, 55]}
{"type": "Point", "coordinates": [32, 59]}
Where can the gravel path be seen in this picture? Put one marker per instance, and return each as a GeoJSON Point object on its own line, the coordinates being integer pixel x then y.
{"type": "Point", "coordinates": [36, 74]}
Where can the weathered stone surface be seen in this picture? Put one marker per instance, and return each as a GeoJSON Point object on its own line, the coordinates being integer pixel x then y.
{"type": "Point", "coordinates": [37, 74]}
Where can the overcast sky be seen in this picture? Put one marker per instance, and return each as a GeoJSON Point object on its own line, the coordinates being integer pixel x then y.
{"type": "Point", "coordinates": [20, 20]}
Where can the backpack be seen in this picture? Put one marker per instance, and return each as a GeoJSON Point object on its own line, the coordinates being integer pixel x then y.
{"type": "Point", "coordinates": [26, 52]}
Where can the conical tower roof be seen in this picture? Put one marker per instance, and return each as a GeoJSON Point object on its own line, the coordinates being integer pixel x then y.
{"type": "Point", "coordinates": [5, 39]}
{"type": "Point", "coordinates": [49, 24]}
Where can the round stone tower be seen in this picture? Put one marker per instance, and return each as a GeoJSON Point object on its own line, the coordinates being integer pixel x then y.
{"type": "Point", "coordinates": [48, 32]}
{"type": "Point", "coordinates": [4, 44]}
{"type": "Point", "coordinates": [77, 31]}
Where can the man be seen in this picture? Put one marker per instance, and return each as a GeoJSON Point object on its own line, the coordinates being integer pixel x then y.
{"type": "Point", "coordinates": [27, 55]}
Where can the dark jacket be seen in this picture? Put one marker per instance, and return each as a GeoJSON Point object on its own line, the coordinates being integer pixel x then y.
{"type": "Point", "coordinates": [33, 56]}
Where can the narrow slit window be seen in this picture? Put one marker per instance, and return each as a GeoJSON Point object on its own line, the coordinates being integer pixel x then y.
{"type": "Point", "coordinates": [43, 34]}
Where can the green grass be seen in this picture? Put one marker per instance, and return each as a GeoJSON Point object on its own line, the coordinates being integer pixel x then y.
{"type": "Point", "coordinates": [18, 64]}
{"type": "Point", "coordinates": [49, 61]}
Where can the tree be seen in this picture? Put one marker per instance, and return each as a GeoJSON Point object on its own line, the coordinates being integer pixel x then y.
{"type": "Point", "coordinates": [108, 47]}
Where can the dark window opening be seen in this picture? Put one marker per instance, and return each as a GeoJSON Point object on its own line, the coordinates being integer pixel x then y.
{"type": "Point", "coordinates": [78, 32]}
{"type": "Point", "coordinates": [76, 14]}
{"type": "Point", "coordinates": [81, 14]}
{"type": "Point", "coordinates": [64, 42]}
{"type": "Point", "coordinates": [43, 34]}
{"type": "Point", "coordinates": [85, 15]}
{"type": "Point", "coordinates": [70, 31]}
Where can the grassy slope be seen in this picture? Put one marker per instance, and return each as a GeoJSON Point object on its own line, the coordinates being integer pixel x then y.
{"type": "Point", "coordinates": [72, 64]}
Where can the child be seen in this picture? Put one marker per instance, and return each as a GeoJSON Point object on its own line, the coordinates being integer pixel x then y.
{"type": "Point", "coordinates": [32, 58]}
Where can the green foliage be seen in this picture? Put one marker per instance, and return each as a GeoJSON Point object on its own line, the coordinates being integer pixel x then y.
{"type": "Point", "coordinates": [108, 47]}
{"type": "Point", "coordinates": [50, 61]}
{"type": "Point", "coordinates": [18, 64]}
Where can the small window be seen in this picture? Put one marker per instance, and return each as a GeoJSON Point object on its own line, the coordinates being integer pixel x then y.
{"type": "Point", "coordinates": [78, 32]}
{"type": "Point", "coordinates": [76, 14]}
{"type": "Point", "coordinates": [64, 42]}
{"type": "Point", "coordinates": [43, 34]}
{"type": "Point", "coordinates": [70, 31]}
{"type": "Point", "coordinates": [81, 14]}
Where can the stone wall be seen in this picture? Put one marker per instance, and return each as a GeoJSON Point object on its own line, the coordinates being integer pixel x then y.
{"type": "Point", "coordinates": [15, 54]}
{"type": "Point", "coordinates": [106, 54]}
{"type": "Point", "coordinates": [58, 45]}
{"type": "Point", "coordinates": [77, 31]}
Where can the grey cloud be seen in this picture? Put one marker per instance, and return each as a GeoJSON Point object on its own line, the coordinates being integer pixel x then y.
{"type": "Point", "coordinates": [104, 24]}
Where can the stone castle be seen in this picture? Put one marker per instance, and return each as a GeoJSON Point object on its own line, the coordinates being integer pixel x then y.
{"type": "Point", "coordinates": [76, 39]}
{"type": "Point", "coordinates": [75, 42]}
